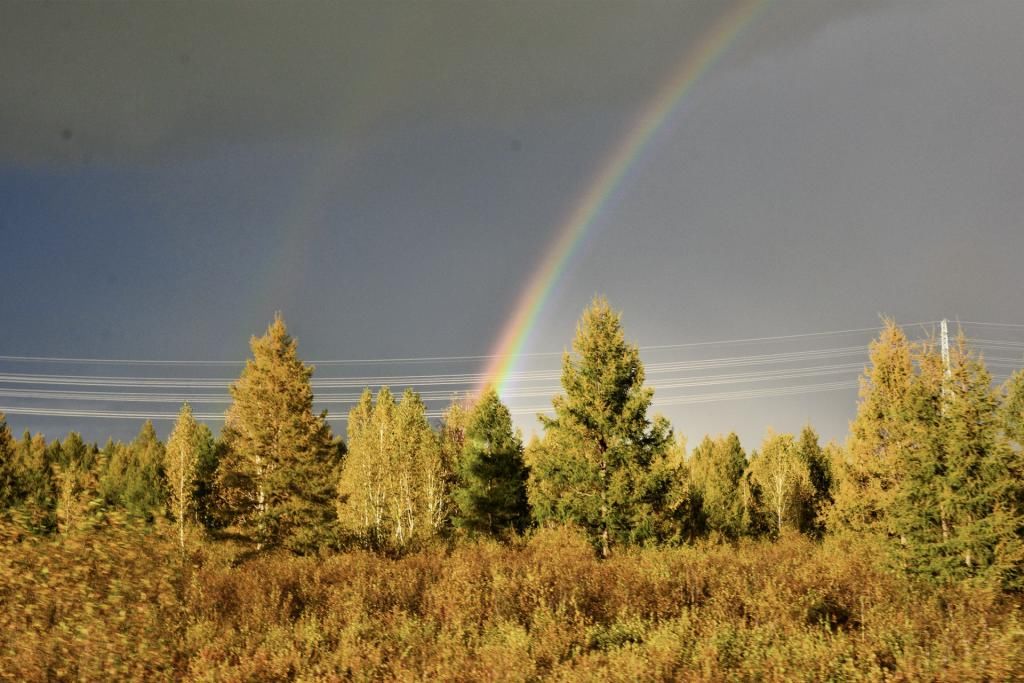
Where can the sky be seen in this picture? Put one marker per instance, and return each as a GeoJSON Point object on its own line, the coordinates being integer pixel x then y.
{"type": "Point", "coordinates": [390, 176]}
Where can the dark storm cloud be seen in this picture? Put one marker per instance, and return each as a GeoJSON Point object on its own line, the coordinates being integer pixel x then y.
{"type": "Point", "coordinates": [125, 82]}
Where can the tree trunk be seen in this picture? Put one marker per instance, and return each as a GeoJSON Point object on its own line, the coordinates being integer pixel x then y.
{"type": "Point", "coordinates": [605, 551]}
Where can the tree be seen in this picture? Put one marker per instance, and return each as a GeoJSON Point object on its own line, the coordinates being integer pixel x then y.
{"type": "Point", "coordinates": [451, 439]}
{"type": "Point", "coordinates": [393, 490]}
{"type": "Point", "coordinates": [419, 504]}
{"type": "Point", "coordinates": [595, 464]}
{"type": "Point", "coordinates": [209, 451]}
{"type": "Point", "coordinates": [131, 476]}
{"type": "Point", "coordinates": [181, 463]}
{"type": "Point", "coordinates": [491, 490]}
{"type": "Point", "coordinates": [885, 430]}
{"type": "Point", "coordinates": [1011, 409]}
{"type": "Point", "coordinates": [783, 481]}
{"type": "Point", "coordinates": [452, 433]}
{"type": "Point", "coordinates": [433, 474]}
{"type": "Point", "coordinates": [144, 493]}
{"type": "Point", "coordinates": [76, 471]}
{"type": "Point", "coordinates": [819, 469]}
{"type": "Point", "coordinates": [10, 489]}
{"type": "Point", "coordinates": [716, 468]}
{"type": "Point", "coordinates": [277, 474]}
{"type": "Point", "coordinates": [36, 483]}
{"type": "Point", "coordinates": [959, 512]}
{"type": "Point", "coordinates": [362, 486]}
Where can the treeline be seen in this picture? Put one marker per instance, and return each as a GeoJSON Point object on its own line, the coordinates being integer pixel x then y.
{"type": "Point", "coordinates": [932, 467]}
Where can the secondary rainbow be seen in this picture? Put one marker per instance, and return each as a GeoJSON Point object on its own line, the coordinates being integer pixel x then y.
{"type": "Point", "coordinates": [531, 302]}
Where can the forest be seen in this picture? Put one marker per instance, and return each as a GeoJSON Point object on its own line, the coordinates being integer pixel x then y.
{"type": "Point", "coordinates": [602, 549]}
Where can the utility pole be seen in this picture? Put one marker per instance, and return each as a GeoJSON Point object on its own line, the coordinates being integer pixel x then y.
{"type": "Point", "coordinates": [945, 345]}
{"type": "Point", "coordinates": [944, 331]}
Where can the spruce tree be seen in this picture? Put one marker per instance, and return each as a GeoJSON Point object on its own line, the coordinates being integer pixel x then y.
{"type": "Point", "coordinates": [10, 489]}
{"type": "Point", "coordinates": [1011, 410]}
{"type": "Point", "coordinates": [181, 462]}
{"type": "Point", "coordinates": [819, 470]}
{"type": "Point", "coordinates": [958, 511]}
{"type": "Point", "coordinates": [209, 452]}
{"type": "Point", "coordinates": [884, 432]}
{"type": "Point", "coordinates": [36, 483]}
{"type": "Point", "coordinates": [596, 462]}
{"type": "Point", "coordinates": [716, 468]}
{"type": "Point", "coordinates": [143, 493]}
{"type": "Point", "coordinates": [131, 475]}
{"type": "Point", "coordinates": [277, 474]}
{"type": "Point", "coordinates": [491, 490]}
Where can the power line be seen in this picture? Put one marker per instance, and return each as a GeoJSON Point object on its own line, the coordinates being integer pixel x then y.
{"type": "Point", "coordinates": [666, 376]}
{"type": "Point", "coordinates": [531, 392]}
{"type": "Point", "coordinates": [146, 415]}
{"type": "Point", "coordinates": [418, 380]}
{"type": "Point", "coordinates": [432, 359]}
{"type": "Point", "coordinates": [1013, 325]}
{"type": "Point", "coordinates": [463, 379]}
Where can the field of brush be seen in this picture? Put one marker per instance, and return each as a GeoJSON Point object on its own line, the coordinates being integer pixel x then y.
{"type": "Point", "coordinates": [124, 603]}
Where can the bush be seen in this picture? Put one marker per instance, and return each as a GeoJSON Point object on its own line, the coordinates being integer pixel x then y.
{"type": "Point", "coordinates": [121, 602]}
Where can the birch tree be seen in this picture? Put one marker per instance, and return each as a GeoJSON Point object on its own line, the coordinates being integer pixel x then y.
{"type": "Point", "coordinates": [783, 480]}
{"type": "Point", "coordinates": [181, 460]}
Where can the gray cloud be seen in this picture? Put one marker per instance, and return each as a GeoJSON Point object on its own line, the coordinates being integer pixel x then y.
{"type": "Point", "coordinates": [123, 82]}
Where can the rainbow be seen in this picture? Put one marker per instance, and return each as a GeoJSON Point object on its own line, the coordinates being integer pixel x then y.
{"type": "Point", "coordinates": [531, 302]}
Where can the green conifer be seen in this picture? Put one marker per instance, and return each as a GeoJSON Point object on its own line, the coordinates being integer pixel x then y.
{"type": "Point", "coordinates": [1012, 409]}
{"type": "Point", "coordinates": [491, 489]}
{"type": "Point", "coordinates": [958, 512]}
{"type": "Point", "coordinates": [36, 483]}
{"type": "Point", "coordinates": [716, 468]}
{"type": "Point", "coordinates": [885, 431]}
{"type": "Point", "coordinates": [819, 469]}
{"type": "Point", "coordinates": [10, 488]}
{"type": "Point", "coordinates": [594, 468]}
{"type": "Point", "coordinates": [277, 476]}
